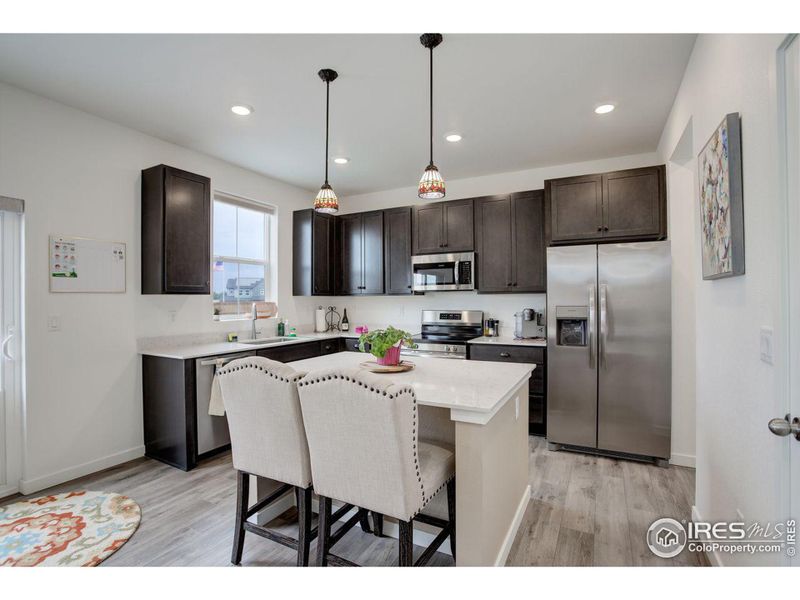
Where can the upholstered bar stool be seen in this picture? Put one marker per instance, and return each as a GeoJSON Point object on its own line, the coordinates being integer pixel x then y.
{"type": "Point", "coordinates": [268, 439]}
{"type": "Point", "coordinates": [365, 450]}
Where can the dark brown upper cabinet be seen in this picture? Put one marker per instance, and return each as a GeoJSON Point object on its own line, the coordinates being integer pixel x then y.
{"type": "Point", "coordinates": [176, 232]}
{"type": "Point", "coordinates": [510, 243]}
{"type": "Point", "coordinates": [313, 253]}
{"type": "Point", "coordinates": [361, 253]}
{"type": "Point", "coordinates": [443, 227]}
{"type": "Point", "coordinates": [397, 250]}
{"type": "Point", "coordinates": [619, 206]}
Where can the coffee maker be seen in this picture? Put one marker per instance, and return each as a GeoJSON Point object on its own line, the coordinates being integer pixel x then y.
{"type": "Point", "coordinates": [529, 323]}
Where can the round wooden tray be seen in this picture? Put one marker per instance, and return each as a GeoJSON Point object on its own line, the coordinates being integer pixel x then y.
{"type": "Point", "coordinates": [374, 367]}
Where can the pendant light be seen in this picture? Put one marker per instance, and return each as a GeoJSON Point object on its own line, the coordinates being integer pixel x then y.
{"type": "Point", "coordinates": [431, 186]}
{"type": "Point", "coordinates": [326, 201]}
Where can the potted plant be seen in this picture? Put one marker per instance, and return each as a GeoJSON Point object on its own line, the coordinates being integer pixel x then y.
{"type": "Point", "coordinates": [384, 344]}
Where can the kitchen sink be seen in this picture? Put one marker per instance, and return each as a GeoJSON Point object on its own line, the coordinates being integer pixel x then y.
{"type": "Point", "coordinates": [270, 340]}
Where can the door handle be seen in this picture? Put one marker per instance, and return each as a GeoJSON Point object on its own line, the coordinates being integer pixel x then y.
{"type": "Point", "coordinates": [591, 326]}
{"type": "Point", "coordinates": [782, 427]}
{"type": "Point", "coordinates": [603, 323]}
{"type": "Point", "coordinates": [216, 362]}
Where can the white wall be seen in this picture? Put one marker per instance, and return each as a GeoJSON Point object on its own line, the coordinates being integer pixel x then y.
{"type": "Point", "coordinates": [80, 175]}
{"type": "Point", "coordinates": [740, 465]}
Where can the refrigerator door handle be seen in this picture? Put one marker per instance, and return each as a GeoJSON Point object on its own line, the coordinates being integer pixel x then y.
{"type": "Point", "coordinates": [592, 326]}
{"type": "Point", "coordinates": [603, 323]}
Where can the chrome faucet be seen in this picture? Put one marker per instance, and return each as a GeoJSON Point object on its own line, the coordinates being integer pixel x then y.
{"type": "Point", "coordinates": [253, 317]}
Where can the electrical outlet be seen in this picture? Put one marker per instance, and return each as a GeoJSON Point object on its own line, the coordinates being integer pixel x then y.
{"type": "Point", "coordinates": [53, 323]}
{"type": "Point", "coordinates": [172, 315]}
{"type": "Point", "coordinates": [766, 345]}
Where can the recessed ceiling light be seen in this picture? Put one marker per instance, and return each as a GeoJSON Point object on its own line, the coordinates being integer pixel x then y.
{"type": "Point", "coordinates": [241, 109]}
{"type": "Point", "coordinates": [341, 160]}
{"type": "Point", "coordinates": [604, 108]}
{"type": "Point", "coordinates": [453, 137]}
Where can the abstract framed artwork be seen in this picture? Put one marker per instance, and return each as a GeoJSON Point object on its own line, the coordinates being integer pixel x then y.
{"type": "Point", "coordinates": [721, 202]}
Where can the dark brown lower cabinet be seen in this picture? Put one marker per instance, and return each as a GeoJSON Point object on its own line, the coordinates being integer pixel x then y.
{"type": "Point", "coordinates": [171, 404]}
{"type": "Point", "coordinates": [537, 387]}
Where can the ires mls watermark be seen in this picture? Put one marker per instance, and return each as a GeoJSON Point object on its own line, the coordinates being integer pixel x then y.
{"type": "Point", "coordinates": [667, 537]}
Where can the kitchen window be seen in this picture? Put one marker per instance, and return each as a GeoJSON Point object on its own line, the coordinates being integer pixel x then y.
{"type": "Point", "coordinates": [241, 268]}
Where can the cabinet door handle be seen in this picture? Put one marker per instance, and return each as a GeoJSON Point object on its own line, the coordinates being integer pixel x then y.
{"type": "Point", "coordinates": [505, 355]}
{"type": "Point", "coordinates": [599, 228]}
{"type": "Point", "coordinates": [605, 228]}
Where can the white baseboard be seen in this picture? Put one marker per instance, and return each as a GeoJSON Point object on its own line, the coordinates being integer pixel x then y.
{"type": "Point", "coordinates": [8, 490]}
{"type": "Point", "coordinates": [275, 509]}
{"type": "Point", "coordinates": [682, 460]}
{"type": "Point", "coordinates": [714, 558]}
{"type": "Point", "coordinates": [511, 534]}
{"type": "Point", "coordinates": [29, 486]}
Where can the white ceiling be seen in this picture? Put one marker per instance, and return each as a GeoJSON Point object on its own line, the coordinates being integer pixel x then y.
{"type": "Point", "coordinates": [520, 101]}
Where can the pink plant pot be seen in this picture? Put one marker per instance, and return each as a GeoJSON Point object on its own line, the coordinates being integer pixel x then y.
{"type": "Point", "coordinates": [391, 358]}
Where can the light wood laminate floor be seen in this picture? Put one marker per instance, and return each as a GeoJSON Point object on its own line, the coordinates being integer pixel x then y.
{"type": "Point", "coordinates": [584, 510]}
{"type": "Point", "coordinates": [591, 510]}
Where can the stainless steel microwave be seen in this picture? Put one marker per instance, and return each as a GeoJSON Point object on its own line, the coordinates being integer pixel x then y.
{"type": "Point", "coordinates": [444, 272]}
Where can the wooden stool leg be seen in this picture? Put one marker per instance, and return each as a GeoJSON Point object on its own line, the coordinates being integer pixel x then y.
{"type": "Point", "coordinates": [304, 522]}
{"type": "Point", "coordinates": [451, 514]}
{"type": "Point", "coordinates": [406, 539]}
{"type": "Point", "coordinates": [242, 497]}
{"type": "Point", "coordinates": [363, 518]}
{"type": "Point", "coordinates": [377, 522]}
{"type": "Point", "coordinates": [323, 531]}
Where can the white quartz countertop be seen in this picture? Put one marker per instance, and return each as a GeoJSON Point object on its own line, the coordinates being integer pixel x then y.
{"type": "Point", "coordinates": [464, 386]}
{"type": "Point", "coordinates": [510, 341]}
{"type": "Point", "coordinates": [187, 351]}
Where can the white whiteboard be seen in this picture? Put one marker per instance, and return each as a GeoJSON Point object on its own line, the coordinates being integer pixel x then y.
{"type": "Point", "coordinates": [85, 265]}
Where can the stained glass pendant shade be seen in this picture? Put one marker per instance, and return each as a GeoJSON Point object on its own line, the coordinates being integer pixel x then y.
{"type": "Point", "coordinates": [431, 186]}
{"type": "Point", "coordinates": [326, 200]}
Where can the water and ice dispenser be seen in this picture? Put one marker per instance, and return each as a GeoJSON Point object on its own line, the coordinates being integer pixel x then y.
{"type": "Point", "coordinates": [572, 325]}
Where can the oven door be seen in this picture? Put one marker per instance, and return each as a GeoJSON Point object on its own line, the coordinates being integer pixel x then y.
{"type": "Point", "coordinates": [443, 272]}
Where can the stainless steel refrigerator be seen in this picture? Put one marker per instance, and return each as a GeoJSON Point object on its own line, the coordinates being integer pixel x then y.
{"type": "Point", "coordinates": [609, 347]}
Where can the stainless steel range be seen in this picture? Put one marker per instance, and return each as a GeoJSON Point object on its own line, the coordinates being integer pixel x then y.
{"type": "Point", "coordinates": [445, 333]}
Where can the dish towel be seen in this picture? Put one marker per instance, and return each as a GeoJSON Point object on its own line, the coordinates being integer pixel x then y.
{"type": "Point", "coordinates": [216, 408]}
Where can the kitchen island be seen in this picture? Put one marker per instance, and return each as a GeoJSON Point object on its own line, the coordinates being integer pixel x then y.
{"type": "Point", "coordinates": [488, 406]}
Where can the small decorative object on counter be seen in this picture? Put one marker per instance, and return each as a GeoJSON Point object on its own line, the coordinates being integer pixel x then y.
{"type": "Point", "coordinates": [233, 337]}
{"type": "Point", "coordinates": [332, 319]}
{"type": "Point", "coordinates": [281, 328]}
{"type": "Point", "coordinates": [385, 344]}
{"type": "Point", "coordinates": [362, 329]}
{"type": "Point", "coordinates": [293, 332]}
{"type": "Point", "coordinates": [345, 322]}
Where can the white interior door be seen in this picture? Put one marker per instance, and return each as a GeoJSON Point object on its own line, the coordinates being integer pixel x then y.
{"type": "Point", "coordinates": [11, 344]}
{"type": "Point", "coordinates": [791, 79]}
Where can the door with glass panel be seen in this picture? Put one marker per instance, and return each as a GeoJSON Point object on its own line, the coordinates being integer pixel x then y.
{"type": "Point", "coordinates": [11, 344]}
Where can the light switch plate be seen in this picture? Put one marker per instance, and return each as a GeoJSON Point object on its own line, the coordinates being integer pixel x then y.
{"type": "Point", "coordinates": [53, 323]}
{"type": "Point", "coordinates": [766, 345]}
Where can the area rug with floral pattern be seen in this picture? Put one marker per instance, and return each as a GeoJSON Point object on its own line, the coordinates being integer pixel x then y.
{"type": "Point", "coordinates": [72, 529]}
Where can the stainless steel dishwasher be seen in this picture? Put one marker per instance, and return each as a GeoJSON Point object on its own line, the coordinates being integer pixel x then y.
{"type": "Point", "coordinates": [212, 432]}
